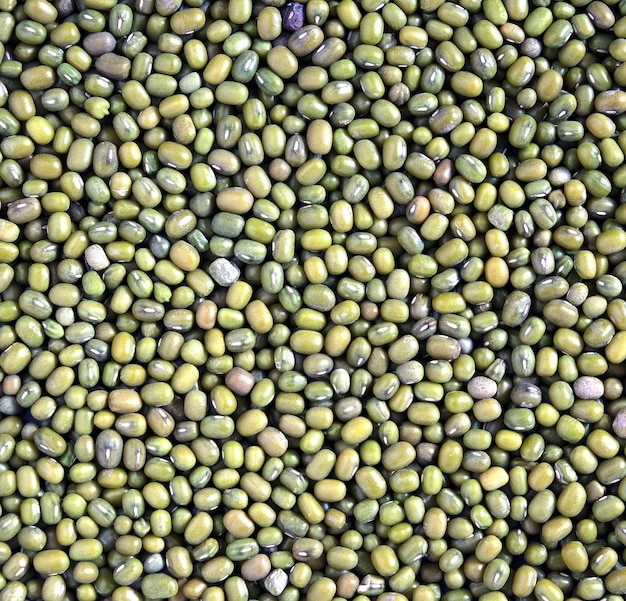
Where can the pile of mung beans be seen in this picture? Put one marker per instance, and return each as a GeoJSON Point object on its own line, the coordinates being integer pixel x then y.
{"type": "Point", "coordinates": [312, 301]}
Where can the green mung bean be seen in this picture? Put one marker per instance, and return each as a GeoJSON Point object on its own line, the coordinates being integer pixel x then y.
{"type": "Point", "coordinates": [323, 297]}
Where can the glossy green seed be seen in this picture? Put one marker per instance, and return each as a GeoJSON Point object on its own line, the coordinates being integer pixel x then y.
{"type": "Point", "coordinates": [158, 586]}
